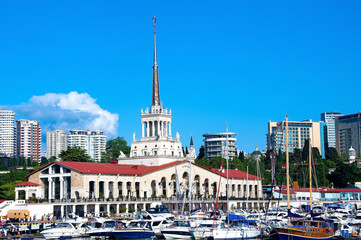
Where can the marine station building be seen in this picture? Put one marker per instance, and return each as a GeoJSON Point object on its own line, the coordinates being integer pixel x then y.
{"type": "Point", "coordinates": [156, 167]}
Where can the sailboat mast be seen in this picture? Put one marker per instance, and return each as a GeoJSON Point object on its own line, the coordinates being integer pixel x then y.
{"type": "Point", "coordinates": [227, 177]}
{"type": "Point", "coordinates": [310, 170]}
{"type": "Point", "coordinates": [190, 187]}
{"type": "Point", "coordinates": [287, 167]}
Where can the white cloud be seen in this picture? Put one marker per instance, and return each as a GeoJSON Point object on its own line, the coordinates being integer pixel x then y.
{"type": "Point", "coordinates": [68, 111]}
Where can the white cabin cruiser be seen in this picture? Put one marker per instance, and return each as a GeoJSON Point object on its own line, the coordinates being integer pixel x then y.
{"type": "Point", "coordinates": [66, 229]}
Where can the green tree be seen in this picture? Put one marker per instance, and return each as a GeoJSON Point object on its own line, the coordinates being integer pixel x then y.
{"type": "Point", "coordinates": [305, 150]}
{"type": "Point", "coordinates": [74, 154]}
{"type": "Point", "coordinates": [332, 154]}
{"type": "Point", "coordinates": [203, 162]}
{"type": "Point", "coordinates": [241, 155]}
{"type": "Point", "coordinates": [216, 162]}
{"type": "Point", "coordinates": [114, 146]}
{"type": "Point", "coordinates": [201, 152]}
{"type": "Point", "coordinates": [105, 158]}
{"type": "Point", "coordinates": [236, 163]}
{"type": "Point", "coordinates": [345, 175]}
{"type": "Point", "coordinates": [7, 191]}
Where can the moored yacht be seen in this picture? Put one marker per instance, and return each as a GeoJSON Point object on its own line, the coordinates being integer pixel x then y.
{"type": "Point", "coordinates": [180, 229]}
{"type": "Point", "coordinates": [135, 230]}
{"type": "Point", "coordinates": [240, 229]}
{"type": "Point", "coordinates": [106, 228]}
{"type": "Point", "coordinates": [205, 229]}
{"type": "Point", "coordinates": [66, 229]}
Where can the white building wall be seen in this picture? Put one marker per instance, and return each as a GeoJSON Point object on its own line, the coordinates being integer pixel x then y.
{"type": "Point", "coordinates": [28, 139]}
{"type": "Point", "coordinates": [7, 132]}
{"type": "Point", "coordinates": [94, 142]}
{"type": "Point", "coordinates": [55, 143]}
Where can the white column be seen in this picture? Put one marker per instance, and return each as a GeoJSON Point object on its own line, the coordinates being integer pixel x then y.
{"type": "Point", "coordinates": [127, 207]}
{"type": "Point", "coordinates": [50, 192]}
{"type": "Point", "coordinates": [96, 209]}
{"type": "Point", "coordinates": [106, 189]}
{"type": "Point", "coordinates": [85, 209]}
{"type": "Point", "coordinates": [61, 211]}
{"type": "Point", "coordinates": [153, 128]}
{"type": "Point", "coordinates": [124, 189]}
{"type": "Point", "coordinates": [170, 128]}
{"type": "Point", "coordinates": [61, 187]}
{"type": "Point", "coordinates": [117, 207]}
{"type": "Point", "coordinates": [116, 189]}
{"type": "Point", "coordinates": [144, 207]}
{"type": "Point", "coordinates": [16, 194]}
{"type": "Point", "coordinates": [166, 129]}
{"type": "Point", "coordinates": [108, 209]}
{"type": "Point", "coordinates": [96, 188]}
{"type": "Point", "coordinates": [53, 189]}
{"type": "Point", "coordinates": [142, 129]}
{"type": "Point", "coordinates": [26, 194]}
{"type": "Point", "coordinates": [73, 209]}
{"type": "Point", "coordinates": [160, 128]}
{"type": "Point", "coordinates": [147, 128]}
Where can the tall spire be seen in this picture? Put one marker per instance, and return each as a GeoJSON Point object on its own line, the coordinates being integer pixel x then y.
{"type": "Point", "coordinates": [155, 94]}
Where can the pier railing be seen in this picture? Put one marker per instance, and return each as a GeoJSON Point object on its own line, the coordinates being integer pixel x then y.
{"type": "Point", "coordinates": [139, 199]}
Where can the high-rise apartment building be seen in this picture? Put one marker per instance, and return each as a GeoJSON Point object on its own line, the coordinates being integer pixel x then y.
{"type": "Point", "coordinates": [215, 144]}
{"type": "Point", "coordinates": [55, 143]}
{"type": "Point", "coordinates": [93, 142]}
{"type": "Point", "coordinates": [298, 133]}
{"type": "Point", "coordinates": [330, 131]}
{"type": "Point", "coordinates": [348, 132]}
{"type": "Point", "coordinates": [28, 139]}
{"type": "Point", "coordinates": [7, 128]}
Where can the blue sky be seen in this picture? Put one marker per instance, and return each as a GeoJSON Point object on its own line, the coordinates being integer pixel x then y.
{"type": "Point", "coordinates": [240, 62]}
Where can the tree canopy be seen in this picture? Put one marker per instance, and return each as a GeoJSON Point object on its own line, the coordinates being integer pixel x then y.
{"type": "Point", "coordinates": [113, 148]}
{"type": "Point", "coordinates": [74, 154]}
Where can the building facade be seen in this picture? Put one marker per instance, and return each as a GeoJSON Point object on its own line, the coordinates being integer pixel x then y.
{"type": "Point", "coordinates": [93, 142]}
{"type": "Point", "coordinates": [299, 132]}
{"type": "Point", "coordinates": [28, 139]}
{"type": "Point", "coordinates": [330, 130]}
{"type": "Point", "coordinates": [7, 132]}
{"type": "Point", "coordinates": [348, 133]}
{"type": "Point", "coordinates": [55, 143]}
{"type": "Point", "coordinates": [157, 145]}
{"type": "Point", "coordinates": [151, 170]}
{"type": "Point", "coordinates": [215, 144]}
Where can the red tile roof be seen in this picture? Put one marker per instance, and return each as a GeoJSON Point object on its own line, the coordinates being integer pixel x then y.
{"type": "Point", "coordinates": [284, 191]}
{"type": "Point", "coordinates": [111, 169]}
{"type": "Point", "coordinates": [131, 169]}
{"type": "Point", "coordinates": [232, 173]}
{"type": "Point", "coordinates": [324, 190]}
{"type": "Point", "coordinates": [27, 183]}
{"type": "Point", "coordinates": [341, 190]}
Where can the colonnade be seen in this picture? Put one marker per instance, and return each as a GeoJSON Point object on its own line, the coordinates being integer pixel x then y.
{"type": "Point", "coordinates": [96, 209]}
{"type": "Point", "coordinates": [156, 128]}
{"type": "Point", "coordinates": [205, 188]}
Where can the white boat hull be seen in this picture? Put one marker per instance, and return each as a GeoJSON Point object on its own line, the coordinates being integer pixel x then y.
{"type": "Point", "coordinates": [57, 234]}
{"type": "Point", "coordinates": [234, 233]}
{"type": "Point", "coordinates": [176, 236]}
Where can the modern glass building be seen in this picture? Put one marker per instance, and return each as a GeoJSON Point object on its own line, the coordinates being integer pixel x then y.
{"type": "Point", "coordinates": [330, 132]}
{"type": "Point", "coordinates": [298, 133]}
{"type": "Point", "coordinates": [7, 128]}
{"type": "Point", "coordinates": [214, 144]}
{"type": "Point", "coordinates": [348, 132]}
